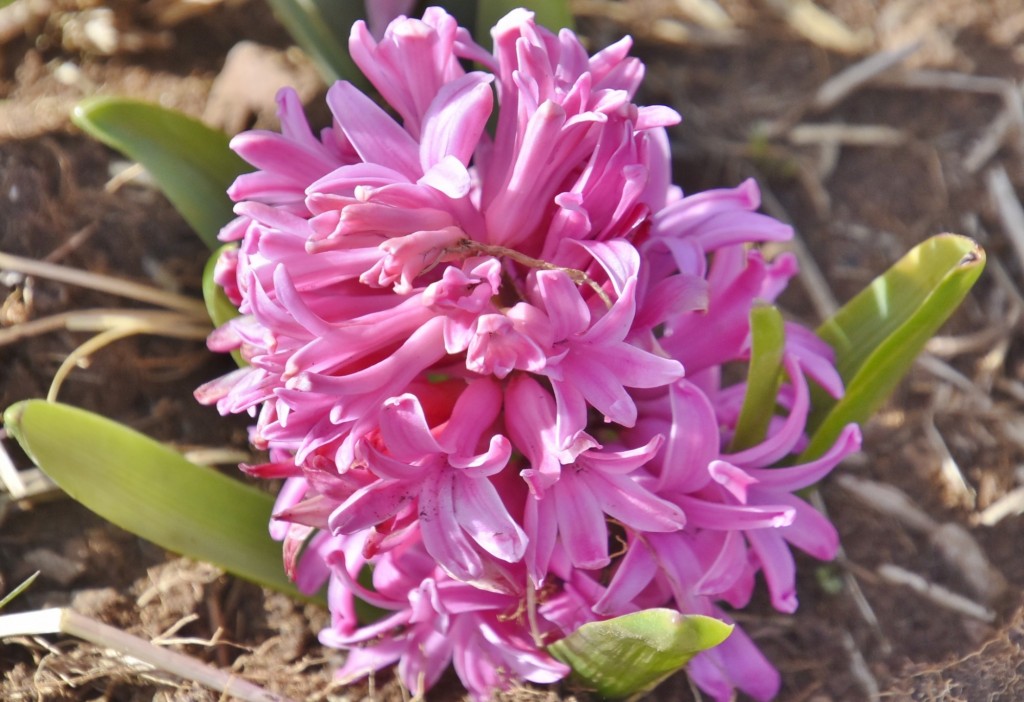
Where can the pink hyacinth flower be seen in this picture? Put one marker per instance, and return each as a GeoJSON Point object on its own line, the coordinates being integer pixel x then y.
{"type": "Point", "coordinates": [496, 366]}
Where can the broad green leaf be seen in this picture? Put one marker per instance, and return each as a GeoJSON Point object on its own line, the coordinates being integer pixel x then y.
{"type": "Point", "coordinates": [149, 489]}
{"type": "Point", "coordinates": [878, 334]}
{"type": "Point", "coordinates": [190, 161]}
{"type": "Point", "coordinates": [321, 28]}
{"type": "Point", "coordinates": [633, 653]}
{"type": "Point", "coordinates": [764, 375]}
{"type": "Point", "coordinates": [553, 14]}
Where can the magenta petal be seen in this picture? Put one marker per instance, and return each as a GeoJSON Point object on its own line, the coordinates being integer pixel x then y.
{"type": "Point", "coordinates": [634, 573]}
{"type": "Point", "coordinates": [540, 523]}
{"type": "Point", "coordinates": [778, 567]}
{"type": "Point", "coordinates": [693, 440]}
{"type": "Point", "coordinates": [785, 439]}
{"type": "Point", "coordinates": [370, 506]}
{"type": "Point", "coordinates": [621, 498]}
{"type": "Point", "coordinates": [361, 662]}
{"type": "Point", "coordinates": [810, 532]}
{"type": "Point", "coordinates": [581, 526]}
{"type": "Point", "coordinates": [798, 477]}
{"type": "Point", "coordinates": [375, 136]}
{"type": "Point", "coordinates": [404, 429]}
{"type": "Point", "coordinates": [479, 510]}
{"type": "Point", "coordinates": [474, 412]}
{"type": "Point", "coordinates": [456, 120]}
{"type": "Point", "coordinates": [442, 535]}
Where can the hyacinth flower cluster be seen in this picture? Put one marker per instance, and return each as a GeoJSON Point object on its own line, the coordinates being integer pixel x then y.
{"type": "Point", "coordinates": [492, 350]}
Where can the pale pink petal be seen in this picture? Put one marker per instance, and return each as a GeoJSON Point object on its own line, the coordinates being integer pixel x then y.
{"type": "Point", "coordinates": [479, 510]}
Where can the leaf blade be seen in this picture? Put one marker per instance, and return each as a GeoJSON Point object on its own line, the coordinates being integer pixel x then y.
{"type": "Point", "coordinates": [191, 162]}
{"type": "Point", "coordinates": [633, 653]}
{"type": "Point", "coordinates": [321, 29]}
{"type": "Point", "coordinates": [151, 490]}
{"type": "Point", "coordinates": [764, 375]}
{"type": "Point", "coordinates": [553, 14]}
{"type": "Point", "coordinates": [878, 334]}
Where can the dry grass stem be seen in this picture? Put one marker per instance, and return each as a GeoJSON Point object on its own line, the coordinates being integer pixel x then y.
{"type": "Point", "coordinates": [851, 583]}
{"type": "Point", "coordinates": [956, 545]}
{"type": "Point", "coordinates": [1011, 213]}
{"type": "Point", "coordinates": [859, 669]}
{"type": "Point", "coordinates": [102, 283]}
{"type": "Point", "coordinates": [888, 500]}
{"type": "Point", "coordinates": [945, 80]}
{"type": "Point", "coordinates": [821, 27]}
{"type": "Point", "coordinates": [943, 371]}
{"type": "Point", "coordinates": [1009, 505]}
{"type": "Point", "coordinates": [935, 593]}
{"type": "Point", "coordinates": [707, 13]}
{"type": "Point", "coordinates": [66, 621]}
{"type": "Point", "coordinates": [838, 87]}
{"type": "Point", "coordinates": [103, 319]}
{"type": "Point", "coordinates": [949, 470]}
{"type": "Point", "coordinates": [847, 135]}
{"type": "Point", "coordinates": [111, 335]}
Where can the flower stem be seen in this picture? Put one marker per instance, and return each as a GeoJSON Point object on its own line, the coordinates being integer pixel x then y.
{"type": "Point", "coordinates": [576, 275]}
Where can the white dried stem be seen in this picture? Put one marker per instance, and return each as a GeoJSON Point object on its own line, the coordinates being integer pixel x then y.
{"type": "Point", "coordinates": [1009, 505]}
{"type": "Point", "coordinates": [838, 87]}
{"type": "Point", "coordinates": [102, 283]}
{"type": "Point", "coordinates": [1011, 213]}
{"type": "Point", "coordinates": [66, 621]}
{"type": "Point", "coordinates": [935, 593]}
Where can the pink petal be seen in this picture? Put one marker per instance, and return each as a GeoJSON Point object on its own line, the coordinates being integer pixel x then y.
{"type": "Point", "coordinates": [374, 135]}
{"type": "Point", "coordinates": [581, 526]}
{"type": "Point", "coordinates": [480, 511]}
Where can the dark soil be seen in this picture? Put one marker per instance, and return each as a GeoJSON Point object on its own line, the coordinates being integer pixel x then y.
{"type": "Point", "coordinates": [747, 95]}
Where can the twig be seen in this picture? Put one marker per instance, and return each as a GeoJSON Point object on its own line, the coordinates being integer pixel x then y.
{"type": "Point", "coordinates": [838, 87]}
{"type": "Point", "coordinates": [949, 470]}
{"type": "Point", "coordinates": [847, 134]}
{"type": "Point", "coordinates": [67, 621]}
{"type": "Point", "coordinates": [888, 500]}
{"type": "Point", "coordinates": [1011, 213]}
{"type": "Point", "coordinates": [852, 584]}
{"type": "Point", "coordinates": [102, 319]}
{"type": "Point", "coordinates": [990, 142]}
{"type": "Point", "coordinates": [1010, 504]}
{"type": "Point", "coordinates": [102, 283]}
{"type": "Point", "coordinates": [109, 336]}
{"type": "Point", "coordinates": [944, 80]}
{"type": "Point", "coordinates": [936, 593]}
{"type": "Point", "coordinates": [955, 544]}
{"type": "Point", "coordinates": [821, 27]}
{"type": "Point", "coordinates": [942, 370]}
{"type": "Point", "coordinates": [859, 669]}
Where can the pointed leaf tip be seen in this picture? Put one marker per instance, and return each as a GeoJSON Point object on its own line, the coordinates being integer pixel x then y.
{"type": "Point", "coordinates": [878, 334]}
{"type": "Point", "coordinates": [633, 653]}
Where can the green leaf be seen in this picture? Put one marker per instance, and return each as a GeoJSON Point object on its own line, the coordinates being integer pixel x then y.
{"type": "Point", "coordinates": [25, 584]}
{"type": "Point", "coordinates": [321, 28]}
{"type": "Point", "coordinates": [878, 334]}
{"type": "Point", "coordinates": [633, 653]}
{"type": "Point", "coordinates": [147, 488]}
{"type": "Point", "coordinates": [190, 161]}
{"type": "Point", "coordinates": [218, 306]}
{"type": "Point", "coordinates": [768, 338]}
{"type": "Point", "coordinates": [553, 14]}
